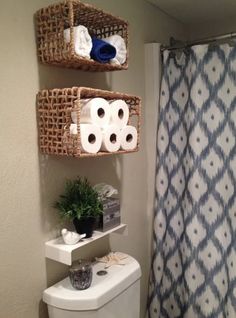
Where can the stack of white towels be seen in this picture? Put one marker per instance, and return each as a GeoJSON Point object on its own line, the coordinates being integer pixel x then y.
{"type": "Point", "coordinates": [83, 44]}
{"type": "Point", "coordinates": [104, 126]}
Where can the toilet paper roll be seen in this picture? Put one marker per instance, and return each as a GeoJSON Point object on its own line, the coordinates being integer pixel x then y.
{"type": "Point", "coordinates": [129, 138]}
{"type": "Point", "coordinates": [73, 129]}
{"type": "Point", "coordinates": [74, 117]}
{"type": "Point", "coordinates": [111, 137]}
{"type": "Point", "coordinates": [91, 138]}
{"type": "Point", "coordinates": [119, 113]}
{"type": "Point", "coordinates": [93, 111]}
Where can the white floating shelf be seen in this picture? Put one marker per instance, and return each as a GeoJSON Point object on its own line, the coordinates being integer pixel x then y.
{"type": "Point", "coordinates": [57, 250]}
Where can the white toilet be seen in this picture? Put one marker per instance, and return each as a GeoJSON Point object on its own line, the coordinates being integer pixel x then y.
{"type": "Point", "coordinates": [114, 295]}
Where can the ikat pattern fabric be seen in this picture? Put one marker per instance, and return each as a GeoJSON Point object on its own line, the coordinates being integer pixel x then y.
{"type": "Point", "coordinates": [193, 272]}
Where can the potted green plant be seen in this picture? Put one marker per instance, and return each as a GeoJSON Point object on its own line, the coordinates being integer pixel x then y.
{"type": "Point", "coordinates": [81, 204]}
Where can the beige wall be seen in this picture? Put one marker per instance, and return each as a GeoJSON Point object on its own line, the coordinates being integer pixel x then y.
{"type": "Point", "coordinates": [31, 182]}
{"type": "Point", "coordinates": [212, 28]}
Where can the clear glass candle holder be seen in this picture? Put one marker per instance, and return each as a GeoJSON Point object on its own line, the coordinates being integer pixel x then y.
{"type": "Point", "coordinates": [81, 274]}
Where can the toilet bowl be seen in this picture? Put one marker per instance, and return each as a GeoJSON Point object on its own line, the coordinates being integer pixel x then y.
{"type": "Point", "coordinates": [113, 295]}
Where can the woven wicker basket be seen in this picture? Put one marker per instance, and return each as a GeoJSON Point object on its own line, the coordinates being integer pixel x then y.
{"type": "Point", "coordinates": [52, 21]}
{"type": "Point", "coordinates": [54, 118]}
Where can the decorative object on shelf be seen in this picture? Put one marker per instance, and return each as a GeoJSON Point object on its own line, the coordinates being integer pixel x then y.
{"type": "Point", "coordinates": [81, 204]}
{"type": "Point", "coordinates": [71, 238]}
{"type": "Point", "coordinates": [111, 214]}
{"type": "Point", "coordinates": [105, 190]}
{"type": "Point", "coordinates": [59, 110]}
{"type": "Point", "coordinates": [111, 207]}
{"type": "Point", "coordinates": [113, 258]}
{"type": "Point", "coordinates": [81, 274]}
{"type": "Point", "coordinates": [59, 40]}
{"type": "Point", "coordinates": [86, 225]}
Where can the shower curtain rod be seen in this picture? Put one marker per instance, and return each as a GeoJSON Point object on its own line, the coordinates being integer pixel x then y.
{"type": "Point", "coordinates": [184, 45]}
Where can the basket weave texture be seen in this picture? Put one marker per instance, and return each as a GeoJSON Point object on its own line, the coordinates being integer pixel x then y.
{"type": "Point", "coordinates": [54, 119]}
{"type": "Point", "coordinates": [52, 21]}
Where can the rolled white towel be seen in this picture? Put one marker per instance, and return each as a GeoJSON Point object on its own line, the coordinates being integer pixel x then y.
{"type": "Point", "coordinates": [121, 52]}
{"type": "Point", "coordinates": [82, 40]}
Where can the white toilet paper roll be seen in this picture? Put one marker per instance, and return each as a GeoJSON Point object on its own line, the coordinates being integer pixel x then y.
{"type": "Point", "coordinates": [91, 138]}
{"type": "Point", "coordinates": [129, 138]}
{"type": "Point", "coordinates": [119, 113]}
{"type": "Point", "coordinates": [73, 129]}
{"type": "Point", "coordinates": [74, 117]}
{"type": "Point", "coordinates": [111, 138]}
{"type": "Point", "coordinates": [93, 111]}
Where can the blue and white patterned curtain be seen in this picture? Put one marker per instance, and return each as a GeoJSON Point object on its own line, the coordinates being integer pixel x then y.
{"type": "Point", "coordinates": [193, 272]}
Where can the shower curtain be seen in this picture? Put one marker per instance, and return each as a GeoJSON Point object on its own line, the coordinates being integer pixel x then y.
{"type": "Point", "coordinates": [193, 273]}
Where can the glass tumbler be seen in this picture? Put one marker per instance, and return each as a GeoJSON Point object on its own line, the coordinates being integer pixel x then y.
{"type": "Point", "coordinates": [81, 274]}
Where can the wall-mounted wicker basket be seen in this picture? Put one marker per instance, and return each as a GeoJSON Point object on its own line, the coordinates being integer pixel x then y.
{"type": "Point", "coordinates": [54, 119]}
{"type": "Point", "coordinates": [52, 21]}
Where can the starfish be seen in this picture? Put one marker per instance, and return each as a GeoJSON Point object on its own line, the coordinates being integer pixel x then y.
{"type": "Point", "coordinates": [112, 259]}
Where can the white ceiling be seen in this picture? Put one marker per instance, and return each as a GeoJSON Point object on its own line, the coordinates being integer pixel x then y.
{"type": "Point", "coordinates": [195, 11]}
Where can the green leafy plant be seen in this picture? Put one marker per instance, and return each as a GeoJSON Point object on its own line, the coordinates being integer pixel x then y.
{"type": "Point", "coordinates": [79, 200]}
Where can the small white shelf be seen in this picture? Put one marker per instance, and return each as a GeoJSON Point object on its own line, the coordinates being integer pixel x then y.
{"type": "Point", "coordinates": [57, 250]}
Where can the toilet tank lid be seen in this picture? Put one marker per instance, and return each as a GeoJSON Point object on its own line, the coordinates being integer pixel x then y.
{"type": "Point", "coordinates": [102, 290]}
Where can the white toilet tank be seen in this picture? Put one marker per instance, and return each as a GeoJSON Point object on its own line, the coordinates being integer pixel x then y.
{"type": "Point", "coordinates": [115, 295]}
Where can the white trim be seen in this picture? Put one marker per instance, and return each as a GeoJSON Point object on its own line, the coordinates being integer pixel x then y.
{"type": "Point", "coordinates": [152, 89]}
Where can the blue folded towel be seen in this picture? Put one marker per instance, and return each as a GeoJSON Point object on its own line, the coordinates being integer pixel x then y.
{"type": "Point", "coordinates": [102, 51]}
